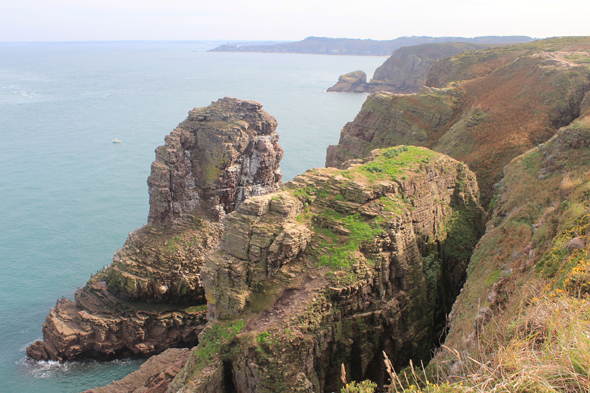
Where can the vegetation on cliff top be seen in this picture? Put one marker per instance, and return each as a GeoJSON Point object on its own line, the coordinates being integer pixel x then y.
{"type": "Point", "coordinates": [362, 256]}
{"type": "Point", "coordinates": [522, 322]}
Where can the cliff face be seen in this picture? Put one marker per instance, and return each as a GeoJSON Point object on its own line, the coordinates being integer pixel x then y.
{"type": "Point", "coordinates": [333, 268]}
{"type": "Point", "coordinates": [150, 297]}
{"type": "Point", "coordinates": [221, 154]}
{"type": "Point", "coordinates": [407, 68]}
{"type": "Point", "coordinates": [514, 98]}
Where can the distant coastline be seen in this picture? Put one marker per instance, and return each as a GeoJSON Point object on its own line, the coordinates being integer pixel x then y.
{"type": "Point", "coordinates": [361, 47]}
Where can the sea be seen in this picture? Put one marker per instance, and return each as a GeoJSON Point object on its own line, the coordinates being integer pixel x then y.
{"type": "Point", "coordinates": [69, 195]}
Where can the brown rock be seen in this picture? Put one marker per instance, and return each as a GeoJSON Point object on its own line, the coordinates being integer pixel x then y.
{"type": "Point", "coordinates": [576, 243]}
{"type": "Point", "coordinates": [335, 268]}
{"type": "Point", "coordinates": [154, 376]}
{"type": "Point", "coordinates": [355, 81]}
{"type": "Point", "coordinates": [221, 154]}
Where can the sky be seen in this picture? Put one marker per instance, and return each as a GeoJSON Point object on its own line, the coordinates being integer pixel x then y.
{"type": "Point", "coordinates": [234, 20]}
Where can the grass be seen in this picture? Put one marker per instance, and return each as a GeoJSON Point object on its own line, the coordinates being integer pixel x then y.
{"type": "Point", "coordinates": [546, 348]}
{"type": "Point", "coordinates": [392, 163]}
{"type": "Point", "coordinates": [340, 256]}
{"type": "Point", "coordinates": [213, 341]}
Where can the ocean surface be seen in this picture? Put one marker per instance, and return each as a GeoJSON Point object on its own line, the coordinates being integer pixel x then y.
{"type": "Point", "coordinates": [69, 196]}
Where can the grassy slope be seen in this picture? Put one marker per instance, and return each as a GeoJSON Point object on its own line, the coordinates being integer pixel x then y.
{"type": "Point", "coordinates": [539, 336]}
{"type": "Point", "coordinates": [531, 275]}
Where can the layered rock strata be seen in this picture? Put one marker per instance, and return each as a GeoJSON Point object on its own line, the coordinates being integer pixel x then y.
{"type": "Point", "coordinates": [154, 376]}
{"type": "Point", "coordinates": [332, 269]}
{"type": "Point", "coordinates": [221, 154]}
{"type": "Point", "coordinates": [150, 297]}
{"type": "Point", "coordinates": [486, 107]}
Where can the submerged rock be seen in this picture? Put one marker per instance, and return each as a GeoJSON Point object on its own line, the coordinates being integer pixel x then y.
{"type": "Point", "coordinates": [150, 297]}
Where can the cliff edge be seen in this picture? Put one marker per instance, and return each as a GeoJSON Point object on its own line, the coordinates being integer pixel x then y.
{"type": "Point", "coordinates": [333, 268]}
{"type": "Point", "coordinates": [406, 70]}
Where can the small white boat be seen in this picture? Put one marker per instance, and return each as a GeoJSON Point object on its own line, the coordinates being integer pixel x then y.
{"type": "Point", "coordinates": [116, 141]}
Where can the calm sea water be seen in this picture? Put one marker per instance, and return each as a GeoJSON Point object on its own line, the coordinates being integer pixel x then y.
{"type": "Point", "coordinates": [68, 196]}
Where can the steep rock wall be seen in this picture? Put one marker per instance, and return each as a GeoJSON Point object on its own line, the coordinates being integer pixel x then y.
{"type": "Point", "coordinates": [150, 297]}
{"type": "Point", "coordinates": [221, 154]}
{"type": "Point", "coordinates": [405, 71]}
{"type": "Point", "coordinates": [334, 268]}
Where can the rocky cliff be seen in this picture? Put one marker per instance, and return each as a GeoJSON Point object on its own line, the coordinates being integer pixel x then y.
{"type": "Point", "coordinates": [494, 104]}
{"type": "Point", "coordinates": [221, 154]}
{"type": "Point", "coordinates": [407, 68]}
{"type": "Point", "coordinates": [150, 297]}
{"type": "Point", "coordinates": [405, 71]}
{"type": "Point", "coordinates": [333, 268]}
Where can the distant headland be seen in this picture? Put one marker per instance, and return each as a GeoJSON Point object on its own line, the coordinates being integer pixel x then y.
{"type": "Point", "coordinates": [361, 47]}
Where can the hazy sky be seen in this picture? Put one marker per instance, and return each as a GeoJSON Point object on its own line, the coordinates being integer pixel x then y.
{"type": "Point", "coordinates": [91, 20]}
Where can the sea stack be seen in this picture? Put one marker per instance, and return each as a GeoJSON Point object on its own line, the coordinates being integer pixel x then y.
{"type": "Point", "coordinates": [150, 297]}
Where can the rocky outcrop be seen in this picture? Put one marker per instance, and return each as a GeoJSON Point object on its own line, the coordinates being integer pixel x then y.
{"type": "Point", "coordinates": [154, 376]}
{"type": "Point", "coordinates": [150, 297]}
{"type": "Point", "coordinates": [332, 269]}
{"type": "Point", "coordinates": [99, 326]}
{"type": "Point", "coordinates": [407, 68]}
{"type": "Point", "coordinates": [499, 103]}
{"type": "Point", "coordinates": [221, 154]}
{"type": "Point", "coordinates": [352, 82]}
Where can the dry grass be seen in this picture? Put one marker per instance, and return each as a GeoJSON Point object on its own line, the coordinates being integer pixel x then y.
{"type": "Point", "coordinates": [545, 349]}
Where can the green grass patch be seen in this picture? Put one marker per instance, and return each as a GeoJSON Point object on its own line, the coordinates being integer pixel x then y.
{"type": "Point", "coordinates": [199, 308]}
{"type": "Point", "coordinates": [493, 277]}
{"type": "Point", "coordinates": [339, 256]}
{"type": "Point", "coordinates": [214, 340]}
{"type": "Point", "coordinates": [393, 162]}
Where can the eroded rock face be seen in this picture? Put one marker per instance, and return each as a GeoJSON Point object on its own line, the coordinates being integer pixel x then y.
{"type": "Point", "coordinates": [334, 268]}
{"type": "Point", "coordinates": [221, 154]}
{"type": "Point", "coordinates": [405, 71]}
{"type": "Point", "coordinates": [102, 327]}
{"type": "Point", "coordinates": [150, 297]}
